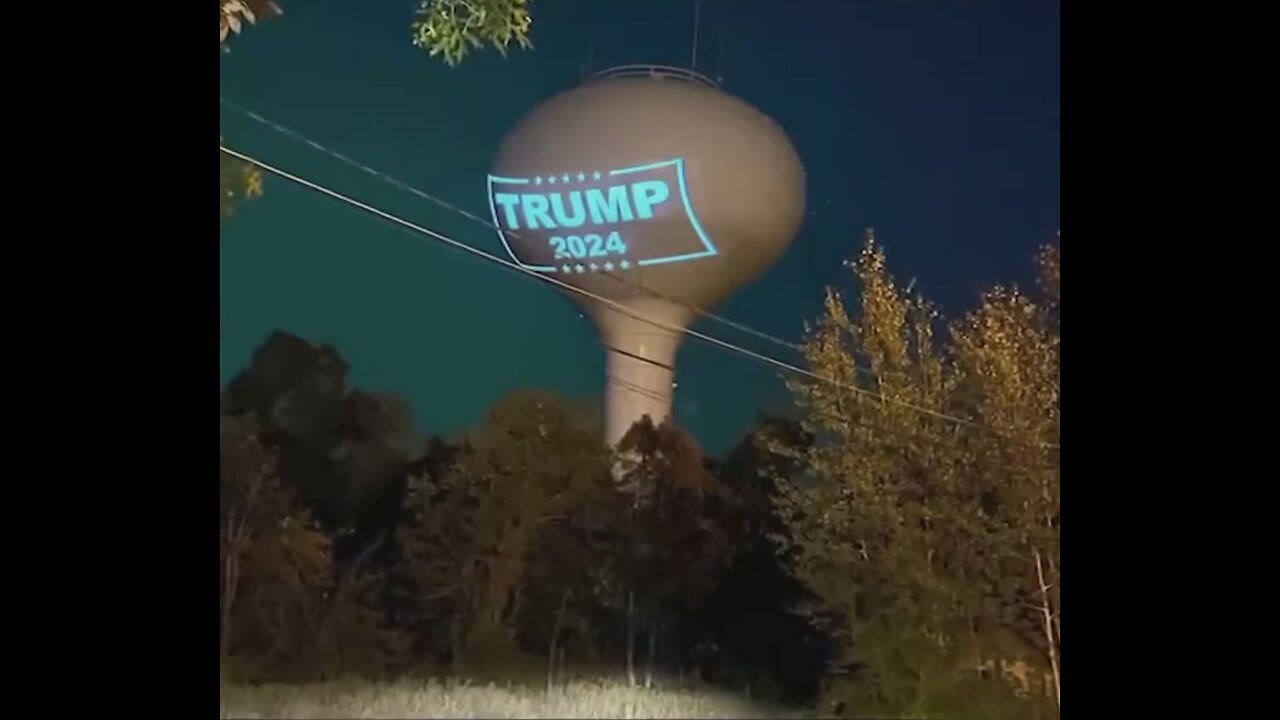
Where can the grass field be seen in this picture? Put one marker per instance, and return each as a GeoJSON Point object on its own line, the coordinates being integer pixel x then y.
{"type": "Point", "coordinates": [449, 699]}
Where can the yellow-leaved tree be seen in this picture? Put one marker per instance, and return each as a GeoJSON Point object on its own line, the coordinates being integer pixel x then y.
{"type": "Point", "coordinates": [929, 519]}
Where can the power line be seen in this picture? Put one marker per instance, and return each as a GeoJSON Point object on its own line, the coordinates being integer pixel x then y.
{"type": "Point", "coordinates": [288, 132]}
{"type": "Point", "coordinates": [488, 224]}
{"type": "Point", "coordinates": [514, 266]}
{"type": "Point", "coordinates": [586, 293]}
{"type": "Point", "coordinates": [913, 433]}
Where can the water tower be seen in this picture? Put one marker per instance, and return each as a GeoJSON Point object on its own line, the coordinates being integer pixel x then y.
{"type": "Point", "coordinates": [651, 187]}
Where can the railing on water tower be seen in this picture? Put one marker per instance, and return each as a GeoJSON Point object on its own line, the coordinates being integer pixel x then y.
{"type": "Point", "coordinates": [657, 72]}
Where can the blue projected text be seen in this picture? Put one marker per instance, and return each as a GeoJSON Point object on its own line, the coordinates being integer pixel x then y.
{"type": "Point", "coordinates": [620, 219]}
{"type": "Point", "coordinates": [587, 246]}
{"type": "Point", "coordinates": [618, 204]}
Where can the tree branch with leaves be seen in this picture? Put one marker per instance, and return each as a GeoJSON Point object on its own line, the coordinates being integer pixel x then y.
{"type": "Point", "coordinates": [452, 29]}
{"type": "Point", "coordinates": [449, 29]}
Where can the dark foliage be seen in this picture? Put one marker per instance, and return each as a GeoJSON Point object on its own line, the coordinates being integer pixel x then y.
{"type": "Point", "coordinates": [686, 537]}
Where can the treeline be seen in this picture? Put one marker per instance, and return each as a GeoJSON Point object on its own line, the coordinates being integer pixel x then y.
{"type": "Point", "coordinates": [352, 545]}
{"type": "Point", "coordinates": [895, 552]}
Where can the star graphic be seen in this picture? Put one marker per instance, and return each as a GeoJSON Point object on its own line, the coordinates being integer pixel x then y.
{"type": "Point", "coordinates": [551, 179]}
{"type": "Point", "coordinates": [595, 175]}
{"type": "Point", "coordinates": [594, 267]}
{"type": "Point", "coordinates": [565, 177]}
{"type": "Point", "coordinates": [608, 266]}
{"type": "Point", "coordinates": [566, 268]}
{"type": "Point", "coordinates": [581, 177]}
{"type": "Point", "coordinates": [537, 180]}
{"type": "Point", "coordinates": [579, 269]}
{"type": "Point", "coordinates": [624, 264]}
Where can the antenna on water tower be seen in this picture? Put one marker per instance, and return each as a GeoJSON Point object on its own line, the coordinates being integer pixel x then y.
{"type": "Point", "coordinates": [697, 18]}
{"type": "Point", "coordinates": [720, 49]}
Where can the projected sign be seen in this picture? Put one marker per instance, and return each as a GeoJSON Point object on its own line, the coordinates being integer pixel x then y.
{"type": "Point", "coordinates": [600, 220]}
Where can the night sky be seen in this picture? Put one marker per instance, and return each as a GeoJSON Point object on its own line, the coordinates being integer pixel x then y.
{"type": "Point", "coordinates": [936, 123]}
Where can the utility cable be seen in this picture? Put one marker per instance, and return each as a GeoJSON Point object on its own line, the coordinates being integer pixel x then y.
{"type": "Point", "coordinates": [779, 364]}
{"type": "Point", "coordinates": [288, 132]}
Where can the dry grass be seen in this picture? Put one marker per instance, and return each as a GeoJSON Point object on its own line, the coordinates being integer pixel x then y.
{"type": "Point", "coordinates": [454, 699]}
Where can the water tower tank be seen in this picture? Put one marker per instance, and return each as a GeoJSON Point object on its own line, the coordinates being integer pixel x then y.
{"type": "Point", "coordinates": [650, 187]}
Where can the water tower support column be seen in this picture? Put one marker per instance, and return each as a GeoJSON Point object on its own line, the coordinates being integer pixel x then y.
{"type": "Point", "coordinates": [640, 358]}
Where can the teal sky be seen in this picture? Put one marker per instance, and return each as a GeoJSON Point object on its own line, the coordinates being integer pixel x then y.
{"type": "Point", "coordinates": [937, 123]}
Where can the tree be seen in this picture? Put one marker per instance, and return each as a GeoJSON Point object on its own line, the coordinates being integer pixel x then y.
{"type": "Point", "coordinates": [751, 616]}
{"type": "Point", "coordinates": [344, 450]}
{"type": "Point", "coordinates": [271, 554]}
{"type": "Point", "coordinates": [575, 579]}
{"type": "Point", "coordinates": [353, 634]}
{"type": "Point", "coordinates": [326, 459]}
{"type": "Point", "coordinates": [1007, 368]}
{"type": "Point", "coordinates": [285, 611]}
{"type": "Point", "coordinates": [468, 541]}
{"type": "Point", "coordinates": [676, 548]}
{"type": "Point", "coordinates": [920, 530]}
